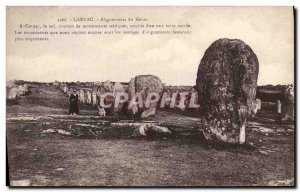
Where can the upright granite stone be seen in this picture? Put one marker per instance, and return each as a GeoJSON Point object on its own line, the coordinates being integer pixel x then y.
{"type": "Point", "coordinates": [65, 89]}
{"type": "Point", "coordinates": [12, 92]}
{"type": "Point", "coordinates": [81, 96]}
{"type": "Point", "coordinates": [94, 96]}
{"type": "Point", "coordinates": [89, 97]}
{"type": "Point", "coordinates": [108, 86]}
{"type": "Point", "coordinates": [144, 85]}
{"type": "Point", "coordinates": [226, 84]}
{"type": "Point", "coordinates": [118, 89]}
{"type": "Point", "coordinates": [288, 104]}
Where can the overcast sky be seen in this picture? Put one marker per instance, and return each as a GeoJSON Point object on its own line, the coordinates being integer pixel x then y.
{"type": "Point", "coordinates": [175, 59]}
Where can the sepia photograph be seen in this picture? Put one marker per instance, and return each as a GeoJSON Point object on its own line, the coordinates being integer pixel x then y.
{"type": "Point", "coordinates": [150, 96]}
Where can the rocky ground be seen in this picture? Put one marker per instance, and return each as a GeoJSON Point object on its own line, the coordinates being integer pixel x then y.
{"type": "Point", "coordinates": [47, 147]}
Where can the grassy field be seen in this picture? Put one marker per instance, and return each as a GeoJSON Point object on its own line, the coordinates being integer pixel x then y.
{"type": "Point", "coordinates": [86, 151]}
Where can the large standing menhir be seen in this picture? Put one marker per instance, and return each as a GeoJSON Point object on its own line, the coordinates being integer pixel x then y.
{"type": "Point", "coordinates": [226, 83]}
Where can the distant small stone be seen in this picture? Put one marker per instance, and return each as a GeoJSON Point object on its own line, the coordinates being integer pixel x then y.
{"type": "Point", "coordinates": [286, 182]}
{"type": "Point", "coordinates": [20, 183]}
{"type": "Point", "coordinates": [63, 132]}
{"type": "Point", "coordinates": [263, 152]}
{"type": "Point", "coordinates": [60, 169]}
{"type": "Point", "coordinates": [49, 131]}
{"type": "Point", "coordinates": [270, 151]}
